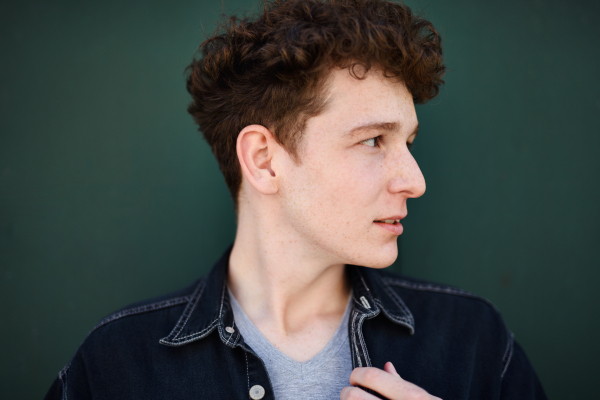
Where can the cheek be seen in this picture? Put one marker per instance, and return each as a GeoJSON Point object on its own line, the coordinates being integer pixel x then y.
{"type": "Point", "coordinates": [347, 185]}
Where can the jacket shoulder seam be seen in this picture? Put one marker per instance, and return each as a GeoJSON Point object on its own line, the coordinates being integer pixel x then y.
{"type": "Point", "coordinates": [62, 375]}
{"type": "Point", "coordinates": [508, 353]}
{"type": "Point", "coordinates": [140, 310]}
{"type": "Point", "coordinates": [429, 287]}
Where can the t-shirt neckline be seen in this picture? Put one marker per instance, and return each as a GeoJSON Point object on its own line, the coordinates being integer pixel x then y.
{"type": "Point", "coordinates": [265, 349]}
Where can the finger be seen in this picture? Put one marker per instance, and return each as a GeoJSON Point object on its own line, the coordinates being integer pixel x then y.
{"type": "Point", "coordinates": [378, 380]}
{"type": "Point", "coordinates": [389, 368]}
{"type": "Point", "coordinates": [354, 393]}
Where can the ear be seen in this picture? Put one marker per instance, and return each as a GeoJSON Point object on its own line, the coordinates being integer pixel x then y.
{"type": "Point", "coordinates": [255, 147]}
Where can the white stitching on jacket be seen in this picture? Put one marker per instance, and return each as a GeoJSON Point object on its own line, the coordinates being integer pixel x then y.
{"type": "Point", "coordinates": [362, 341]}
{"type": "Point", "coordinates": [62, 375]}
{"type": "Point", "coordinates": [508, 352]}
{"type": "Point", "coordinates": [354, 315]}
{"type": "Point", "coordinates": [439, 289]}
{"type": "Point", "coordinates": [247, 369]}
{"type": "Point", "coordinates": [186, 313]}
{"type": "Point", "coordinates": [399, 303]}
{"type": "Point", "coordinates": [510, 346]}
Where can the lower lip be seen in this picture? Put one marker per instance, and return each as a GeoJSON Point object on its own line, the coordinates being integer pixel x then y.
{"type": "Point", "coordinates": [395, 228]}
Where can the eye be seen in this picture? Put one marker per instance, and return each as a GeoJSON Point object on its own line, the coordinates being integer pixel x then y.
{"type": "Point", "coordinates": [372, 142]}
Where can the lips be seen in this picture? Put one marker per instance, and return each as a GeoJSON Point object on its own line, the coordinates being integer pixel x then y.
{"type": "Point", "coordinates": [391, 224]}
{"type": "Point", "coordinates": [391, 219]}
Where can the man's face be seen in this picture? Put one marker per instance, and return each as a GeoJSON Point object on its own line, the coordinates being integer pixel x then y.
{"type": "Point", "coordinates": [355, 170]}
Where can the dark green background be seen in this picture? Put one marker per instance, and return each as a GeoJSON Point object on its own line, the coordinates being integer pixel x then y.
{"type": "Point", "coordinates": [108, 194]}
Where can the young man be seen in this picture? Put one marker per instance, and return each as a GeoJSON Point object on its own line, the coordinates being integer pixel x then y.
{"type": "Point", "coordinates": [310, 113]}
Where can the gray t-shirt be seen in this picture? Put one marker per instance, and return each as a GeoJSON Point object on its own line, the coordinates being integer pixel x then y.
{"type": "Point", "coordinates": [320, 378]}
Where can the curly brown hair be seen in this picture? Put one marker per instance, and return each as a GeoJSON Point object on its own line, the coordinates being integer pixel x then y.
{"type": "Point", "coordinates": [271, 71]}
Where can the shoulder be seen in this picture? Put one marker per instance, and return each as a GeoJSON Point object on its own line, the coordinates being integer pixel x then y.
{"type": "Point", "coordinates": [139, 325]}
{"type": "Point", "coordinates": [150, 309]}
{"type": "Point", "coordinates": [445, 306]}
{"type": "Point", "coordinates": [423, 294]}
{"type": "Point", "coordinates": [427, 293]}
{"type": "Point", "coordinates": [449, 314]}
{"type": "Point", "coordinates": [122, 343]}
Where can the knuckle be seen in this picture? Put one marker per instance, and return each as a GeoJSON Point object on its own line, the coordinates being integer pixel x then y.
{"type": "Point", "coordinates": [370, 374]}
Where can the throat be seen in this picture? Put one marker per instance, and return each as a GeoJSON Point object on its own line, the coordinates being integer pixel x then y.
{"type": "Point", "coordinates": [300, 340]}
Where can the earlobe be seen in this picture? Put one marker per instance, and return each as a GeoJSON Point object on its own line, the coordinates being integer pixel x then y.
{"type": "Point", "coordinates": [255, 148]}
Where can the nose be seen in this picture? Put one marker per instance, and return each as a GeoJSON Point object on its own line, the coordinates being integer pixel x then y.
{"type": "Point", "coordinates": [406, 176]}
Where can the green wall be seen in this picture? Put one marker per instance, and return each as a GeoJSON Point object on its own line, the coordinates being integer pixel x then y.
{"type": "Point", "coordinates": [108, 195]}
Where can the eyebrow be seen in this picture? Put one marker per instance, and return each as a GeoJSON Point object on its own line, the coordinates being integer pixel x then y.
{"type": "Point", "coordinates": [380, 126]}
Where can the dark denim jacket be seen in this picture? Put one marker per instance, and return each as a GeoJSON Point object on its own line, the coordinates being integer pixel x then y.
{"type": "Point", "coordinates": [453, 344]}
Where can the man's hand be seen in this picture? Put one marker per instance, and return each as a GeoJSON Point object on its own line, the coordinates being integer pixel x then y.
{"type": "Point", "coordinates": [386, 382]}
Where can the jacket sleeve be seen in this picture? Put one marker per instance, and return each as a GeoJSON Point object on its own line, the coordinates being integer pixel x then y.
{"type": "Point", "coordinates": [519, 380]}
{"type": "Point", "coordinates": [72, 382]}
{"type": "Point", "coordinates": [56, 390]}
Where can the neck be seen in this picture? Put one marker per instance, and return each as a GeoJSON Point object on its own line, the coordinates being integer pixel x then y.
{"type": "Point", "coordinates": [281, 282]}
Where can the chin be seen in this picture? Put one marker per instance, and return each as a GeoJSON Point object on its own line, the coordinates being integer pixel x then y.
{"type": "Point", "coordinates": [382, 257]}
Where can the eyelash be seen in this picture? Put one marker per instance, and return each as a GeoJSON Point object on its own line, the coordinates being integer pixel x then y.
{"type": "Point", "coordinates": [378, 139]}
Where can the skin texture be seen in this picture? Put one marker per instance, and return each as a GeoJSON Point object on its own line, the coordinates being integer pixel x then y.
{"type": "Point", "coordinates": [299, 223]}
{"type": "Point", "coordinates": [386, 382]}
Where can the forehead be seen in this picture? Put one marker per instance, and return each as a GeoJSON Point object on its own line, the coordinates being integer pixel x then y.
{"type": "Point", "coordinates": [374, 100]}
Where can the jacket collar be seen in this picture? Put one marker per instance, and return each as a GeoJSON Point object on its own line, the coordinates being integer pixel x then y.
{"type": "Point", "coordinates": [209, 307]}
{"type": "Point", "coordinates": [367, 284]}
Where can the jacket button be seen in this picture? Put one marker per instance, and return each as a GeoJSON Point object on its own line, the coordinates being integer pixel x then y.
{"type": "Point", "coordinates": [257, 392]}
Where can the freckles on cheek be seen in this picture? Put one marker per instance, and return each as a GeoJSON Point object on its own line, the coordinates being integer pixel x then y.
{"type": "Point", "coordinates": [334, 179]}
{"type": "Point", "coordinates": [356, 185]}
{"type": "Point", "coordinates": [365, 188]}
